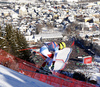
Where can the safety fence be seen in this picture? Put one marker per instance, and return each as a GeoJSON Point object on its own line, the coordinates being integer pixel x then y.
{"type": "Point", "coordinates": [57, 80]}
{"type": "Point", "coordinates": [29, 69]}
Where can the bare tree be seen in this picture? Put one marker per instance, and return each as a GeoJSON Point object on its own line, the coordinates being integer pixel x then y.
{"type": "Point", "coordinates": [38, 28]}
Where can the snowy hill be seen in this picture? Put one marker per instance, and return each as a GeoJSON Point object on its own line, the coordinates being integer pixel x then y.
{"type": "Point", "coordinates": [10, 78]}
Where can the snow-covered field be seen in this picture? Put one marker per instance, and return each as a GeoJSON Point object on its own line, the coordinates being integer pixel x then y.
{"type": "Point", "coordinates": [10, 78]}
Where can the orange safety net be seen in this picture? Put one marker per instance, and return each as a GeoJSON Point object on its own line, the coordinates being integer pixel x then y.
{"type": "Point", "coordinates": [27, 68]}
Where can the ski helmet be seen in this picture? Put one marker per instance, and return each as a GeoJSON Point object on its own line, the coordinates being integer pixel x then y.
{"type": "Point", "coordinates": [62, 45]}
{"type": "Point", "coordinates": [52, 46]}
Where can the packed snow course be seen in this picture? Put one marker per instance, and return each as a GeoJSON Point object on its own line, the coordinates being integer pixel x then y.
{"type": "Point", "coordinates": [10, 78]}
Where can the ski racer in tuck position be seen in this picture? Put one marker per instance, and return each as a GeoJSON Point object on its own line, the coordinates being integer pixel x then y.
{"type": "Point", "coordinates": [48, 50]}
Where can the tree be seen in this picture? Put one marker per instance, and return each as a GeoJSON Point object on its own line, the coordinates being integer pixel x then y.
{"type": "Point", "coordinates": [0, 32]}
{"type": "Point", "coordinates": [21, 44]}
{"type": "Point", "coordinates": [38, 28]}
{"type": "Point", "coordinates": [3, 41]}
{"type": "Point", "coordinates": [79, 76]}
{"type": "Point", "coordinates": [72, 29]}
{"type": "Point", "coordinates": [16, 41]}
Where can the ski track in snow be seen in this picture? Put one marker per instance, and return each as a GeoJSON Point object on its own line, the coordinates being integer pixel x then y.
{"type": "Point", "coordinates": [10, 78]}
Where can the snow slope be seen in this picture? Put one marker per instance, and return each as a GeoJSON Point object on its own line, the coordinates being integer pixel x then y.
{"type": "Point", "coordinates": [11, 78]}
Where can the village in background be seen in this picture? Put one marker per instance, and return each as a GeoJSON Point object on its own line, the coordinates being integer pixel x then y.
{"type": "Point", "coordinates": [44, 20]}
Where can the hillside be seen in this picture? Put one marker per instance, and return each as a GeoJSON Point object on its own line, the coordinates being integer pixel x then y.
{"type": "Point", "coordinates": [11, 78]}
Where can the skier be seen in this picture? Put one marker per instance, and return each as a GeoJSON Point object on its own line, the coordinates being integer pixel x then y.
{"type": "Point", "coordinates": [48, 50]}
{"type": "Point", "coordinates": [62, 45]}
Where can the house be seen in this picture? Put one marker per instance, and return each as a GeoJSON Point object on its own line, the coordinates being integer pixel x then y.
{"type": "Point", "coordinates": [23, 11]}
{"type": "Point", "coordinates": [43, 37]}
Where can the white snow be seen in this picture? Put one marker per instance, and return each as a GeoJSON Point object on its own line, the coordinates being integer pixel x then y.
{"type": "Point", "coordinates": [97, 58]}
{"type": "Point", "coordinates": [96, 77]}
{"type": "Point", "coordinates": [10, 78]}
